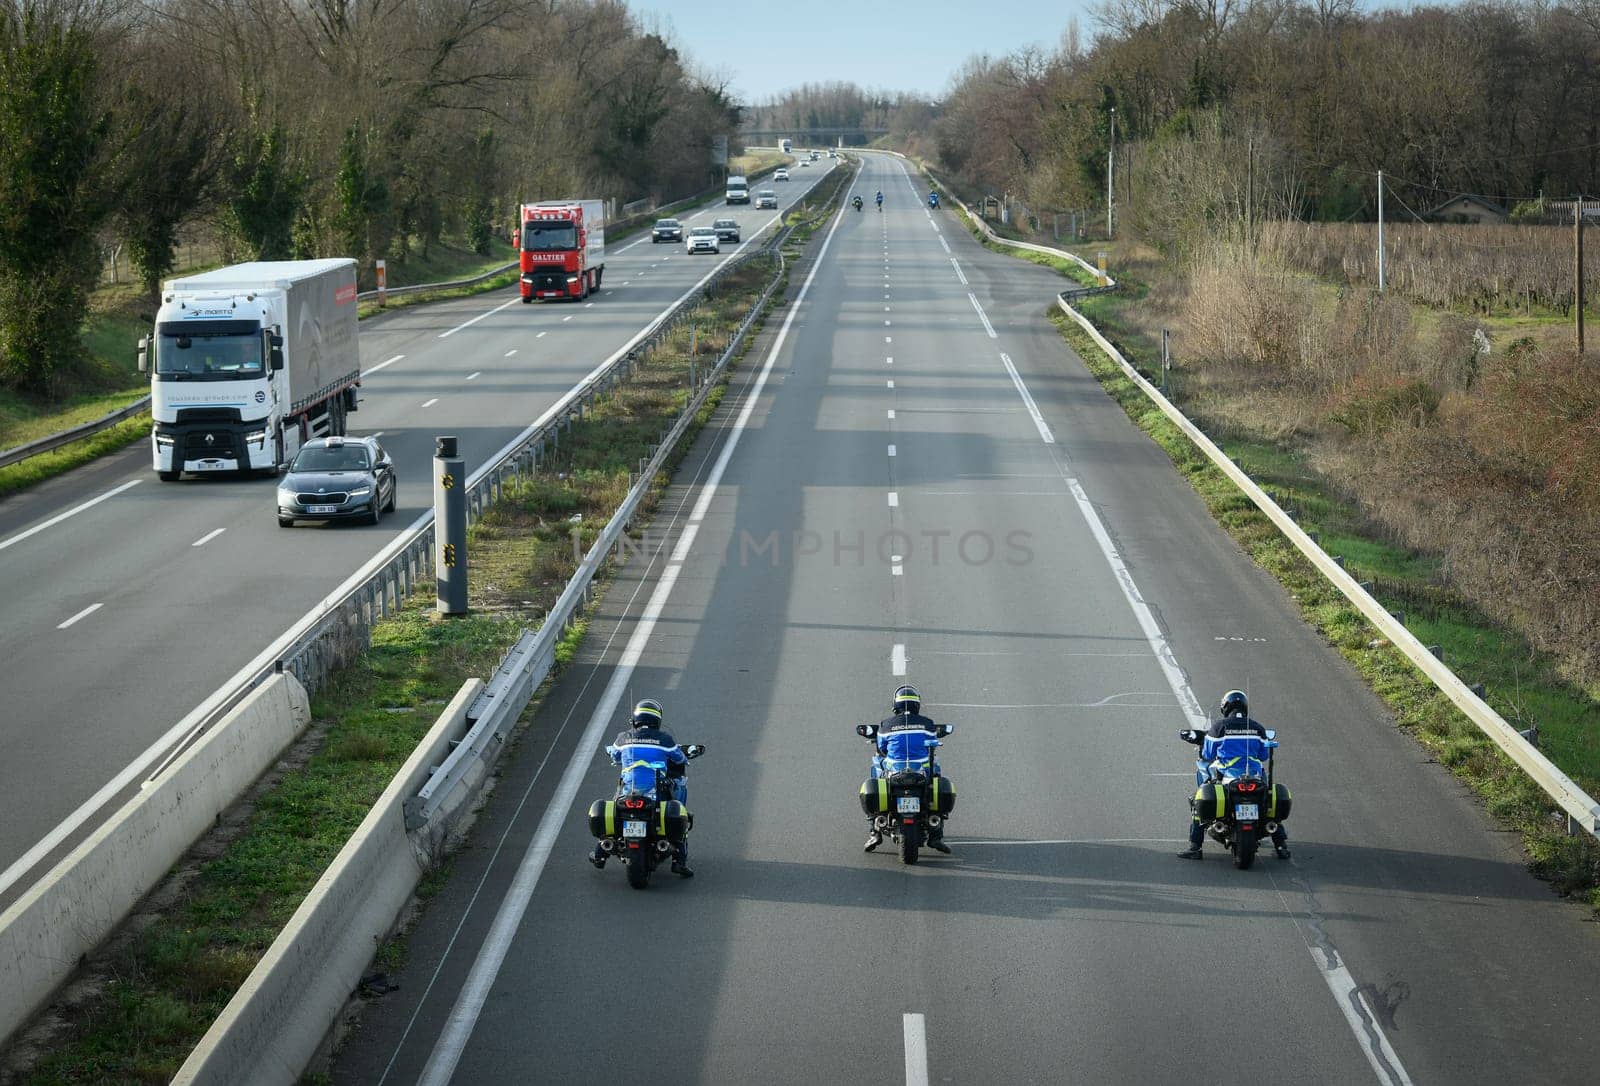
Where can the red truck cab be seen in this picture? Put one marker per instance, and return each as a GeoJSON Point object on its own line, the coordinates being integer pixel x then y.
{"type": "Point", "coordinates": [562, 249]}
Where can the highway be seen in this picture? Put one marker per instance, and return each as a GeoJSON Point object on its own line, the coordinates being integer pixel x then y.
{"type": "Point", "coordinates": [914, 479]}
{"type": "Point", "coordinates": [128, 600]}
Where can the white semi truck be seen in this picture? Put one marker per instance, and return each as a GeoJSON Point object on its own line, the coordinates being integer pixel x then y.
{"type": "Point", "coordinates": [250, 361]}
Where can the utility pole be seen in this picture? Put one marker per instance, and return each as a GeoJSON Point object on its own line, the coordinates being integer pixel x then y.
{"type": "Point", "coordinates": [1250, 200]}
{"type": "Point", "coordinates": [1111, 159]}
{"type": "Point", "coordinates": [1380, 231]}
{"type": "Point", "coordinates": [1577, 268]}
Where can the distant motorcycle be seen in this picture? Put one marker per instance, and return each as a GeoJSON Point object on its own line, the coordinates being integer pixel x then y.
{"type": "Point", "coordinates": [647, 820]}
{"type": "Point", "coordinates": [933, 201]}
{"type": "Point", "coordinates": [1235, 793]}
{"type": "Point", "coordinates": [856, 203]}
{"type": "Point", "coordinates": [907, 798]}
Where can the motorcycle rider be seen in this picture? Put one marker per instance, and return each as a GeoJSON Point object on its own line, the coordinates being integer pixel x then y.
{"type": "Point", "coordinates": [905, 736]}
{"type": "Point", "coordinates": [646, 740]}
{"type": "Point", "coordinates": [1236, 720]}
{"type": "Point", "coordinates": [879, 198]}
{"type": "Point", "coordinates": [856, 203]}
{"type": "Point", "coordinates": [933, 199]}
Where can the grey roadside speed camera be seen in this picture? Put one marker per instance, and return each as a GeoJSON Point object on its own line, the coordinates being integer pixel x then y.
{"type": "Point", "coordinates": [449, 527]}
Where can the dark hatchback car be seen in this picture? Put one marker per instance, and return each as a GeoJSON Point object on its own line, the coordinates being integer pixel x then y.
{"type": "Point", "coordinates": [337, 478]}
{"type": "Point", "coordinates": [727, 229]}
{"type": "Point", "coordinates": [666, 230]}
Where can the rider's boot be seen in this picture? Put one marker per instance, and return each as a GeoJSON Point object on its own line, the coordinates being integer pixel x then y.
{"type": "Point", "coordinates": [874, 838]}
{"type": "Point", "coordinates": [598, 856]}
{"type": "Point", "coordinates": [1190, 853]}
{"type": "Point", "coordinates": [936, 842]}
{"type": "Point", "coordinates": [680, 863]}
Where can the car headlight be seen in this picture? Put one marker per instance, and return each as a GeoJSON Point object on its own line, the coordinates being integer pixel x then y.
{"type": "Point", "coordinates": [285, 497]}
{"type": "Point", "coordinates": [361, 492]}
{"type": "Point", "coordinates": [572, 278]}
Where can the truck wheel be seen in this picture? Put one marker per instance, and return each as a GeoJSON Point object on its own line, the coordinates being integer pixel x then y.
{"type": "Point", "coordinates": [599, 277]}
{"type": "Point", "coordinates": [169, 476]}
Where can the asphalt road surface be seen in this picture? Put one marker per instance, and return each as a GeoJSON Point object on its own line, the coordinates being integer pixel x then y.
{"type": "Point", "coordinates": [128, 601]}
{"type": "Point", "coordinates": [916, 480]}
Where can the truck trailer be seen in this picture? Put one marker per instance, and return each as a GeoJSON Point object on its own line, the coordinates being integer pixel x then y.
{"type": "Point", "coordinates": [562, 249]}
{"type": "Point", "coordinates": [248, 362]}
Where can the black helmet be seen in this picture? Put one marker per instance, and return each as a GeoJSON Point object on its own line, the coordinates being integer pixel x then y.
{"type": "Point", "coordinates": [647, 714]}
{"type": "Point", "coordinates": [907, 700]}
{"type": "Point", "coordinates": [1234, 703]}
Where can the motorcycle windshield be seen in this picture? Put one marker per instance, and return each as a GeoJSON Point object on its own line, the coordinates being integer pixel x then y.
{"type": "Point", "coordinates": [641, 776]}
{"type": "Point", "coordinates": [1235, 756]}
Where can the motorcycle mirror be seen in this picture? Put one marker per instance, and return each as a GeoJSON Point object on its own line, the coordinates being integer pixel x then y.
{"type": "Point", "coordinates": [1189, 735]}
{"type": "Point", "coordinates": [1272, 733]}
{"type": "Point", "coordinates": [945, 729]}
{"type": "Point", "coordinates": [694, 750]}
{"type": "Point", "coordinates": [866, 731]}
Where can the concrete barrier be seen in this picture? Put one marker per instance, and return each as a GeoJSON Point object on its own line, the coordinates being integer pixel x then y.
{"type": "Point", "coordinates": [270, 1030]}
{"type": "Point", "coordinates": [47, 932]}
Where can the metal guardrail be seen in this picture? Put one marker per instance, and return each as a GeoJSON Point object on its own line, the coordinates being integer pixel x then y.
{"type": "Point", "coordinates": [418, 288]}
{"type": "Point", "coordinates": [77, 433]}
{"type": "Point", "coordinates": [530, 660]}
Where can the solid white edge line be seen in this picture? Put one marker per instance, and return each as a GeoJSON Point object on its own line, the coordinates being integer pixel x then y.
{"type": "Point", "coordinates": [479, 317]}
{"type": "Point", "coordinates": [916, 1042]}
{"type": "Point", "coordinates": [1027, 399]}
{"type": "Point", "coordinates": [85, 613]}
{"type": "Point", "coordinates": [959, 273]}
{"type": "Point", "coordinates": [1359, 1014]}
{"type": "Point", "coordinates": [208, 537]}
{"type": "Point", "coordinates": [74, 511]}
{"type": "Point", "coordinates": [382, 365]}
{"type": "Point", "coordinates": [446, 1054]}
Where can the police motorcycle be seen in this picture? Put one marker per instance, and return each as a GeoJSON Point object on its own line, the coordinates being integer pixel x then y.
{"type": "Point", "coordinates": [856, 203]}
{"type": "Point", "coordinates": [907, 799]}
{"type": "Point", "coordinates": [647, 821]}
{"type": "Point", "coordinates": [1235, 794]}
{"type": "Point", "coordinates": [933, 201]}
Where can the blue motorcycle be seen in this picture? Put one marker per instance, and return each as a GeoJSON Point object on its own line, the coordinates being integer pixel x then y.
{"type": "Point", "coordinates": [647, 821]}
{"type": "Point", "coordinates": [1235, 793]}
{"type": "Point", "coordinates": [933, 201]}
{"type": "Point", "coordinates": [907, 797]}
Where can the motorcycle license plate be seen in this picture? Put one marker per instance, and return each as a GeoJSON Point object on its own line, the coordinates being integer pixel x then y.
{"type": "Point", "coordinates": [634, 829]}
{"type": "Point", "coordinates": [908, 804]}
{"type": "Point", "coordinates": [1247, 812]}
{"type": "Point", "coordinates": [322, 509]}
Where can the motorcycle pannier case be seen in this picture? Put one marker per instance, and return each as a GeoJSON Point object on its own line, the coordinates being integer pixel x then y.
{"type": "Point", "coordinates": [875, 797]}
{"type": "Point", "coordinates": [604, 820]}
{"type": "Point", "coordinates": [942, 796]}
{"type": "Point", "coordinates": [1210, 802]}
{"type": "Point", "coordinates": [1278, 806]}
{"type": "Point", "coordinates": [672, 820]}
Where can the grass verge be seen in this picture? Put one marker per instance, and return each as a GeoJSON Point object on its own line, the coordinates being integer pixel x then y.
{"type": "Point", "coordinates": [158, 990]}
{"type": "Point", "coordinates": [1520, 683]}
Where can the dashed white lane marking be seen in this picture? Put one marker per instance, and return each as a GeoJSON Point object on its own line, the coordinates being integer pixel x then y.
{"type": "Point", "coordinates": [894, 499]}
{"type": "Point", "coordinates": [891, 450]}
{"type": "Point", "coordinates": [511, 352]}
{"type": "Point", "coordinates": [588, 305]}
{"type": "Point", "coordinates": [897, 660]}
{"type": "Point", "coordinates": [83, 614]}
{"type": "Point", "coordinates": [959, 273]}
{"type": "Point", "coordinates": [541, 335]}
{"type": "Point", "coordinates": [916, 1036]}
{"type": "Point", "coordinates": [888, 339]}
{"type": "Point", "coordinates": [376, 433]}
{"type": "Point", "coordinates": [891, 412]}
{"type": "Point", "coordinates": [208, 537]}
{"type": "Point", "coordinates": [628, 283]}
{"type": "Point", "coordinates": [945, 243]}
{"type": "Point", "coordinates": [431, 402]}
{"type": "Point", "coordinates": [479, 317]}
{"type": "Point", "coordinates": [897, 570]}
{"type": "Point", "coordinates": [982, 316]}
{"type": "Point", "coordinates": [886, 308]}
{"type": "Point", "coordinates": [1027, 399]}
{"type": "Point", "coordinates": [383, 365]}
{"type": "Point", "coordinates": [886, 324]}
{"type": "Point", "coordinates": [74, 511]}
{"type": "Point", "coordinates": [568, 317]}
{"type": "Point", "coordinates": [474, 376]}
{"type": "Point", "coordinates": [889, 383]}
{"type": "Point", "coordinates": [889, 359]}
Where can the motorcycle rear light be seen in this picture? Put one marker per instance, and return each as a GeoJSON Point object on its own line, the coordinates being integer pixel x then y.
{"type": "Point", "coordinates": [633, 804]}
{"type": "Point", "coordinates": [1247, 786]}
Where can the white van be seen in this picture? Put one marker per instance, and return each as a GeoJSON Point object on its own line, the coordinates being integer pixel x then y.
{"type": "Point", "coordinates": [738, 190]}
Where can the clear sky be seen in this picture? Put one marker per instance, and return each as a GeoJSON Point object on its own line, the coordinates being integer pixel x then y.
{"type": "Point", "coordinates": [763, 47]}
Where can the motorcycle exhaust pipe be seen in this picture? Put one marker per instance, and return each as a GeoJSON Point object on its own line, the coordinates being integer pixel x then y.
{"type": "Point", "coordinates": [1219, 826]}
{"type": "Point", "coordinates": [934, 822]}
{"type": "Point", "coordinates": [607, 845]}
{"type": "Point", "coordinates": [663, 847]}
{"type": "Point", "coordinates": [1272, 827]}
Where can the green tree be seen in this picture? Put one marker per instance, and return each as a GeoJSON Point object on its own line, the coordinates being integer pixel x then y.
{"type": "Point", "coordinates": [165, 170]}
{"type": "Point", "coordinates": [360, 197]}
{"type": "Point", "coordinates": [52, 131]}
{"type": "Point", "coordinates": [267, 191]}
